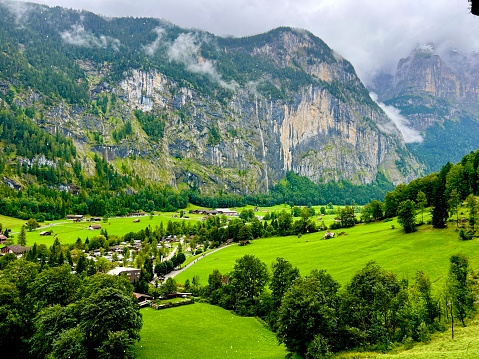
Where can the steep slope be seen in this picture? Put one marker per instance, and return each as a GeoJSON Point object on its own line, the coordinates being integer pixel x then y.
{"type": "Point", "coordinates": [438, 93]}
{"type": "Point", "coordinates": [185, 107]}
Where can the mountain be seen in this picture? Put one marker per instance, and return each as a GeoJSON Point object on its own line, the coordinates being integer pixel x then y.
{"type": "Point", "coordinates": [190, 109]}
{"type": "Point", "coordinates": [438, 92]}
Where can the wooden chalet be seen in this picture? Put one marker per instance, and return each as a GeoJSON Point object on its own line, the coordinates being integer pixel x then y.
{"type": "Point", "coordinates": [94, 226]}
{"type": "Point", "coordinates": [3, 239]}
{"type": "Point", "coordinates": [16, 249]}
{"type": "Point", "coordinates": [74, 217]}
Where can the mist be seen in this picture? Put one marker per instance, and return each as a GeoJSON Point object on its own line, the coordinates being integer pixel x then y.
{"type": "Point", "coordinates": [409, 134]}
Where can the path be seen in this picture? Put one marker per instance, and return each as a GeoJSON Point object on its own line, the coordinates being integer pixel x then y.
{"type": "Point", "coordinates": [175, 272]}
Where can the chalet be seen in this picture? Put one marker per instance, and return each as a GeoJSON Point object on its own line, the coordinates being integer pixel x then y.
{"type": "Point", "coordinates": [16, 249]}
{"type": "Point", "coordinates": [45, 233]}
{"type": "Point", "coordinates": [226, 211]}
{"type": "Point", "coordinates": [135, 214]}
{"type": "Point", "coordinates": [74, 217]}
{"type": "Point", "coordinates": [133, 274]}
{"type": "Point", "coordinates": [3, 239]}
{"type": "Point", "coordinates": [94, 226]}
{"type": "Point", "coordinates": [207, 212]}
{"type": "Point", "coordinates": [95, 219]}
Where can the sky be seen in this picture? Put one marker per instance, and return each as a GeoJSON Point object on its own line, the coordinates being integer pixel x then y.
{"type": "Point", "coordinates": [372, 36]}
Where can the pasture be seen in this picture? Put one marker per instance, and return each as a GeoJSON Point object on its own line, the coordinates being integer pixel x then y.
{"type": "Point", "coordinates": [68, 231]}
{"type": "Point", "coordinates": [204, 331]}
{"type": "Point", "coordinates": [465, 345]}
{"type": "Point", "coordinates": [427, 249]}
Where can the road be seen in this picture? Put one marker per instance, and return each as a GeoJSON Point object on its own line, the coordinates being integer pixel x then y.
{"type": "Point", "coordinates": [176, 272]}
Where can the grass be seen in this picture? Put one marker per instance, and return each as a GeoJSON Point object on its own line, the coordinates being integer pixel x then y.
{"type": "Point", "coordinates": [68, 231]}
{"type": "Point", "coordinates": [427, 249]}
{"type": "Point", "coordinates": [204, 331]}
{"type": "Point", "coordinates": [465, 345]}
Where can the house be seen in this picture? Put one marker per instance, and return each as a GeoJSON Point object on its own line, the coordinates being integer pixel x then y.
{"type": "Point", "coordinates": [226, 211]}
{"type": "Point", "coordinates": [136, 220]}
{"type": "Point", "coordinates": [45, 233]}
{"type": "Point", "coordinates": [133, 274]}
{"type": "Point", "coordinates": [207, 212]}
{"type": "Point", "coordinates": [3, 239]}
{"type": "Point", "coordinates": [94, 226]}
{"type": "Point", "coordinates": [142, 298]}
{"type": "Point", "coordinates": [16, 249]}
{"type": "Point", "coordinates": [74, 217]}
{"type": "Point", "coordinates": [95, 219]}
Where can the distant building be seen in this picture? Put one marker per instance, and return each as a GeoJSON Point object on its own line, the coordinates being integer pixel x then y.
{"type": "Point", "coordinates": [16, 249]}
{"type": "Point", "coordinates": [94, 226]}
{"type": "Point", "coordinates": [226, 211]}
{"type": "Point", "coordinates": [74, 217]}
{"type": "Point", "coordinates": [133, 274]}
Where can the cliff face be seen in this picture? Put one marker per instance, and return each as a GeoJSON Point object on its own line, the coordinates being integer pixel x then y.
{"type": "Point", "coordinates": [439, 94]}
{"type": "Point", "coordinates": [221, 114]}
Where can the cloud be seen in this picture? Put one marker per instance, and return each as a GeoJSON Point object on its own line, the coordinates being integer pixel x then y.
{"type": "Point", "coordinates": [372, 34]}
{"type": "Point", "coordinates": [151, 48]}
{"type": "Point", "coordinates": [410, 135]}
{"type": "Point", "coordinates": [18, 9]}
{"type": "Point", "coordinates": [186, 50]}
{"type": "Point", "coordinates": [78, 36]}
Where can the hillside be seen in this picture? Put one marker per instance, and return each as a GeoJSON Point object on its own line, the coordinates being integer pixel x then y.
{"type": "Point", "coordinates": [190, 109]}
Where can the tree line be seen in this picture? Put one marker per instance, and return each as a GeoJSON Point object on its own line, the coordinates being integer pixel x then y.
{"type": "Point", "coordinates": [443, 191]}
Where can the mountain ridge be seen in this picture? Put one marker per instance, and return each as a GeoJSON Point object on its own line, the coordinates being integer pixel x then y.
{"type": "Point", "coordinates": [203, 111]}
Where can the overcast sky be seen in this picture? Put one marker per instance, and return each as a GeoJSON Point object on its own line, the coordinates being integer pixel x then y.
{"type": "Point", "coordinates": [370, 35]}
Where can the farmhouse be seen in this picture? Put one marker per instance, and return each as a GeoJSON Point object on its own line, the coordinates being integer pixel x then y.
{"type": "Point", "coordinates": [94, 226]}
{"type": "Point", "coordinates": [133, 274]}
{"type": "Point", "coordinates": [45, 233]}
{"type": "Point", "coordinates": [207, 212]}
{"type": "Point", "coordinates": [226, 211]}
{"type": "Point", "coordinates": [74, 217]}
{"type": "Point", "coordinates": [3, 239]}
{"type": "Point", "coordinates": [16, 249]}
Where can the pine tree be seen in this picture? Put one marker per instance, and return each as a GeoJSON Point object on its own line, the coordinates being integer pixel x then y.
{"type": "Point", "coordinates": [22, 237]}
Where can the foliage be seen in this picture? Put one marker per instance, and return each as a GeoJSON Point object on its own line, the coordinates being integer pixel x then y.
{"type": "Point", "coordinates": [407, 215]}
{"type": "Point", "coordinates": [460, 288]}
{"type": "Point", "coordinates": [248, 280]}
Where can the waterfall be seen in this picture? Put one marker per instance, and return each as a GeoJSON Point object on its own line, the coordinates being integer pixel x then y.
{"type": "Point", "coordinates": [265, 166]}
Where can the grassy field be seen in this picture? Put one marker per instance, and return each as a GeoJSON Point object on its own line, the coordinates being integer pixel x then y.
{"type": "Point", "coordinates": [204, 331]}
{"type": "Point", "coordinates": [68, 231]}
{"type": "Point", "coordinates": [427, 249]}
{"type": "Point", "coordinates": [465, 345]}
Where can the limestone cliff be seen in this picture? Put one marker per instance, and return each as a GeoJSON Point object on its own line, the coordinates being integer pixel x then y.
{"type": "Point", "coordinates": [185, 107]}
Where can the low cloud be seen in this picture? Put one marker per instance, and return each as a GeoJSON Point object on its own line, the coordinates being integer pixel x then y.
{"type": "Point", "coordinates": [409, 134]}
{"type": "Point", "coordinates": [18, 9]}
{"type": "Point", "coordinates": [78, 36]}
{"type": "Point", "coordinates": [151, 48]}
{"type": "Point", "coordinates": [186, 50]}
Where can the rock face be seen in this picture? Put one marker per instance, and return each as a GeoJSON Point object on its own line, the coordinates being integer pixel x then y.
{"type": "Point", "coordinates": [220, 114]}
{"type": "Point", "coordinates": [439, 94]}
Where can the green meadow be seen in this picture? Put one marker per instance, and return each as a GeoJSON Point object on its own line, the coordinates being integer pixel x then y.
{"type": "Point", "coordinates": [427, 249]}
{"type": "Point", "coordinates": [465, 345]}
{"type": "Point", "coordinates": [204, 331]}
{"type": "Point", "coordinates": [68, 231]}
